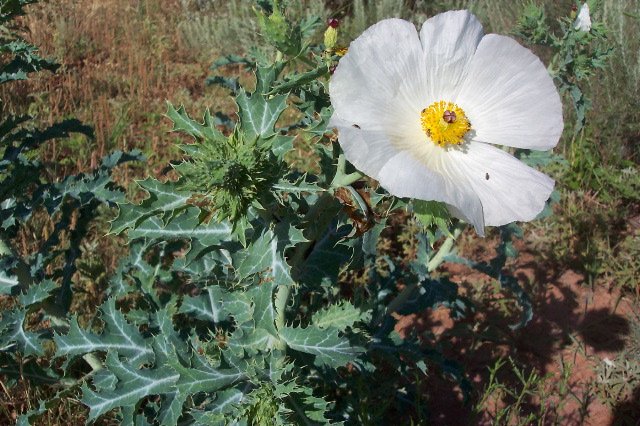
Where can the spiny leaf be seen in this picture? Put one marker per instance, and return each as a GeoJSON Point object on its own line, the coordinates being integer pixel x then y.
{"type": "Point", "coordinates": [163, 198]}
{"type": "Point", "coordinates": [310, 409]}
{"type": "Point", "coordinates": [133, 385]}
{"type": "Point", "coordinates": [104, 380]}
{"type": "Point", "coordinates": [329, 349]}
{"type": "Point", "coordinates": [37, 293]}
{"type": "Point", "coordinates": [224, 403]}
{"type": "Point", "coordinates": [264, 312]}
{"type": "Point", "coordinates": [258, 114]}
{"type": "Point", "coordinates": [199, 131]}
{"type": "Point", "coordinates": [185, 226]}
{"type": "Point", "coordinates": [216, 305]}
{"type": "Point", "coordinates": [297, 185]}
{"type": "Point", "coordinates": [95, 186]}
{"type": "Point", "coordinates": [265, 256]}
{"type": "Point", "coordinates": [340, 316]}
{"type": "Point", "coordinates": [201, 377]}
{"type": "Point", "coordinates": [14, 334]}
{"type": "Point", "coordinates": [118, 337]}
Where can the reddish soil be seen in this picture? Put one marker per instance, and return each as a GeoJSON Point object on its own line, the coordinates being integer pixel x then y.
{"type": "Point", "coordinates": [574, 327]}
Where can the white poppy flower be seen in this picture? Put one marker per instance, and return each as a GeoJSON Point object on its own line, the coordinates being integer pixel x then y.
{"type": "Point", "coordinates": [583, 21]}
{"type": "Point", "coordinates": [418, 112]}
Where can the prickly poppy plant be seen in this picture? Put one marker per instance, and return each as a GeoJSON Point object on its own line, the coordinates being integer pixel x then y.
{"type": "Point", "coordinates": [232, 305]}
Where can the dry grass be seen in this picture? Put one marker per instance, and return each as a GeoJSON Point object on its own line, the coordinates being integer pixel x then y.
{"type": "Point", "coordinates": [120, 63]}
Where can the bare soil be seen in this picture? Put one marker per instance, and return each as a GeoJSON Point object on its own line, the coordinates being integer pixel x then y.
{"type": "Point", "coordinates": [575, 327]}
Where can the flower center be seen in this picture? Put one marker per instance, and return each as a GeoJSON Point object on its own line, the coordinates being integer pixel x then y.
{"type": "Point", "coordinates": [445, 123]}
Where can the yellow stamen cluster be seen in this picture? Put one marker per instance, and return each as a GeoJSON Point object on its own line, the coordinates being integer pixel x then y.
{"type": "Point", "coordinates": [445, 123]}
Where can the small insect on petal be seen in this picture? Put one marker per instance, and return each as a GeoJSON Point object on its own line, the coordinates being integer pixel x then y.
{"type": "Point", "coordinates": [449, 116]}
{"type": "Point", "coordinates": [355, 125]}
{"type": "Point", "coordinates": [486, 176]}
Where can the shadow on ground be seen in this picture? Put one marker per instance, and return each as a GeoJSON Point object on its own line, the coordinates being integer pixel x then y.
{"type": "Point", "coordinates": [573, 329]}
{"type": "Point", "coordinates": [627, 413]}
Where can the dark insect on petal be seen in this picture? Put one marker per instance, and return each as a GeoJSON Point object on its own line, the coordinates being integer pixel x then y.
{"type": "Point", "coordinates": [355, 125]}
{"type": "Point", "coordinates": [486, 176]}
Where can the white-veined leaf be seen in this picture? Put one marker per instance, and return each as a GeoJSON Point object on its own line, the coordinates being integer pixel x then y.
{"type": "Point", "coordinates": [264, 256]}
{"type": "Point", "coordinates": [133, 385]}
{"type": "Point", "coordinates": [118, 337]}
{"type": "Point", "coordinates": [329, 348]}
{"type": "Point", "coordinates": [163, 198]}
{"type": "Point", "coordinates": [37, 293]}
{"type": "Point", "coordinates": [7, 282]}
{"type": "Point", "coordinates": [216, 305]}
{"type": "Point", "coordinates": [258, 115]}
{"type": "Point", "coordinates": [185, 226]}
{"type": "Point", "coordinates": [14, 335]}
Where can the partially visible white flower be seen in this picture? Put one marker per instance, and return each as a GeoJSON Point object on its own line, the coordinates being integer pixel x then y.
{"type": "Point", "coordinates": [418, 112]}
{"type": "Point", "coordinates": [608, 362]}
{"type": "Point", "coordinates": [583, 20]}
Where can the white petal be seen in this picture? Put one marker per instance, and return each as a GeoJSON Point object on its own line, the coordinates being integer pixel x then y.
{"type": "Point", "coordinates": [509, 97]}
{"type": "Point", "coordinates": [380, 81]}
{"type": "Point", "coordinates": [583, 21]}
{"type": "Point", "coordinates": [513, 190]}
{"type": "Point", "coordinates": [406, 176]}
{"type": "Point", "coordinates": [449, 41]}
{"type": "Point", "coordinates": [367, 150]}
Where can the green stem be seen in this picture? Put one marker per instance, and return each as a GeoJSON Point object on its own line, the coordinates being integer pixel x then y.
{"type": "Point", "coordinates": [341, 178]}
{"type": "Point", "coordinates": [318, 217]}
{"type": "Point", "coordinates": [435, 261]}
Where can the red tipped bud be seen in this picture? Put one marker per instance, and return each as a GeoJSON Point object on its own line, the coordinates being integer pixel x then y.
{"type": "Point", "coordinates": [333, 22]}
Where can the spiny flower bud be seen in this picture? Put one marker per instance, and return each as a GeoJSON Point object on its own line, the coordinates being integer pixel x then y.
{"type": "Point", "coordinates": [231, 172]}
{"type": "Point", "coordinates": [279, 31]}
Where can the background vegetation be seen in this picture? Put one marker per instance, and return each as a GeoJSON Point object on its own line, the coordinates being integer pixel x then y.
{"type": "Point", "coordinates": [577, 361]}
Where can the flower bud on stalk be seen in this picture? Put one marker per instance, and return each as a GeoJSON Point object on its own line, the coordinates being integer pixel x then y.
{"type": "Point", "coordinates": [278, 30]}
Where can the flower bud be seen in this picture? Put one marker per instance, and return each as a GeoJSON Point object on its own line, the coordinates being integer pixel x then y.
{"type": "Point", "coordinates": [330, 37]}
{"type": "Point", "coordinates": [275, 27]}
